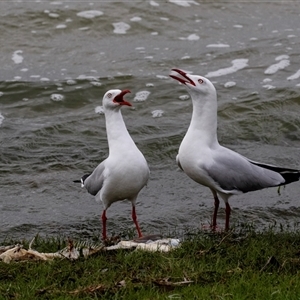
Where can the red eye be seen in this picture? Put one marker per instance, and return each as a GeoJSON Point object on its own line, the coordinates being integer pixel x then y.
{"type": "Point", "coordinates": [200, 81]}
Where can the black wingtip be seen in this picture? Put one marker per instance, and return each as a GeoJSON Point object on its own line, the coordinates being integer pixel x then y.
{"type": "Point", "coordinates": [77, 181]}
{"type": "Point", "coordinates": [290, 177]}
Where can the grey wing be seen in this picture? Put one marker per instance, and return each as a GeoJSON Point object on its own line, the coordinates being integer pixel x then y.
{"type": "Point", "coordinates": [232, 171]}
{"type": "Point", "coordinates": [94, 182]}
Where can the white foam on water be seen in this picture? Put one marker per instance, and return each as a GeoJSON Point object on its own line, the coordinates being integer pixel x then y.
{"type": "Point", "coordinates": [162, 76]}
{"type": "Point", "coordinates": [276, 67]}
{"type": "Point", "coordinates": [184, 3]}
{"type": "Point", "coordinates": [1, 119]}
{"type": "Point", "coordinates": [191, 37]}
{"type": "Point", "coordinates": [84, 28]}
{"type": "Point", "coordinates": [56, 97]}
{"type": "Point", "coordinates": [291, 36]}
{"type": "Point", "coordinates": [24, 70]}
{"type": "Point", "coordinates": [99, 110]}
{"type": "Point", "coordinates": [35, 76]}
{"type": "Point", "coordinates": [61, 26]}
{"type": "Point", "coordinates": [164, 19]}
{"type": "Point", "coordinates": [253, 39]}
{"type": "Point", "coordinates": [17, 58]}
{"type": "Point", "coordinates": [217, 46]}
{"type": "Point", "coordinates": [44, 79]}
{"type": "Point", "coordinates": [185, 57]}
{"type": "Point", "coordinates": [269, 87]}
{"type": "Point", "coordinates": [153, 3]}
{"type": "Point", "coordinates": [294, 76]}
{"type": "Point", "coordinates": [237, 64]}
{"type": "Point", "coordinates": [184, 97]}
{"type": "Point", "coordinates": [68, 20]}
{"type": "Point", "coordinates": [281, 57]}
{"type": "Point", "coordinates": [154, 33]}
{"type": "Point", "coordinates": [17, 77]}
{"type": "Point", "coordinates": [267, 80]}
{"type": "Point", "coordinates": [298, 84]}
{"type": "Point", "coordinates": [141, 96]}
{"type": "Point", "coordinates": [121, 27]}
{"type": "Point", "coordinates": [149, 84]}
{"type": "Point", "coordinates": [140, 48]}
{"type": "Point", "coordinates": [1, 94]}
{"type": "Point", "coordinates": [229, 84]}
{"type": "Point", "coordinates": [56, 3]}
{"type": "Point", "coordinates": [157, 113]}
{"type": "Point", "coordinates": [238, 26]}
{"type": "Point", "coordinates": [90, 14]}
{"type": "Point", "coordinates": [87, 77]}
{"type": "Point", "coordinates": [96, 83]}
{"type": "Point", "coordinates": [71, 82]}
{"type": "Point", "coordinates": [136, 19]}
{"type": "Point", "coordinates": [53, 15]}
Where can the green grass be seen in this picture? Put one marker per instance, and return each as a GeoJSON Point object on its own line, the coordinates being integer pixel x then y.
{"type": "Point", "coordinates": [207, 266]}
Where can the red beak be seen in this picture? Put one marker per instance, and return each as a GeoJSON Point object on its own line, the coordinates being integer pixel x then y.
{"type": "Point", "coordinates": [184, 77]}
{"type": "Point", "coordinates": [119, 98]}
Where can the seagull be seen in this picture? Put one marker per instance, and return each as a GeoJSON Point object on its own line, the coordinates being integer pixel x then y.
{"type": "Point", "coordinates": [205, 161]}
{"type": "Point", "coordinates": [125, 171]}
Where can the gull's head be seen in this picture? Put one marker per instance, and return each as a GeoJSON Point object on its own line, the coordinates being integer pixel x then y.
{"type": "Point", "coordinates": [196, 84]}
{"type": "Point", "coordinates": [114, 99]}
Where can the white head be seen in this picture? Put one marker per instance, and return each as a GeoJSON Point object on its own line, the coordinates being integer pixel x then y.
{"type": "Point", "coordinates": [113, 99]}
{"type": "Point", "coordinates": [196, 85]}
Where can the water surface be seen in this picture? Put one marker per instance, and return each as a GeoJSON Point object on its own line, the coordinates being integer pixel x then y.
{"type": "Point", "coordinates": [59, 58]}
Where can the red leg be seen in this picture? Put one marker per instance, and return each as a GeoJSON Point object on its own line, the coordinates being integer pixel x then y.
{"type": "Point", "coordinates": [134, 218]}
{"type": "Point", "coordinates": [217, 203]}
{"type": "Point", "coordinates": [227, 210]}
{"type": "Point", "coordinates": [104, 237]}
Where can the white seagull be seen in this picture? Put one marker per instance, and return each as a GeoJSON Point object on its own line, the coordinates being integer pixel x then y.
{"type": "Point", "coordinates": [205, 161]}
{"type": "Point", "coordinates": [125, 171]}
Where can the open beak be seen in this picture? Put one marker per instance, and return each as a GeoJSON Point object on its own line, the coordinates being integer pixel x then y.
{"type": "Point", "coordinates": [119, 98]}
{"type": "Point", "coordinates": [181, 76]}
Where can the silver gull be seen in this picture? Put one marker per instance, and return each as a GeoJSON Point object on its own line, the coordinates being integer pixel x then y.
{"type": "Point", "coordinates": [205, 161]}
{"type": "Point", "coordinates": [125, 171]}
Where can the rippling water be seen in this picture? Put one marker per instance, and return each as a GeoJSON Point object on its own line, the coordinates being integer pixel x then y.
{"type": "Point", "coordinates": [59, 58]}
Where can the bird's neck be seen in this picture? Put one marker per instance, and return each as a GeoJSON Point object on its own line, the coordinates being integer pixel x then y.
{"type": "Point", "coordinates": [116, 131]}
{"type": "Point", "coordinates": [203, 124]}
